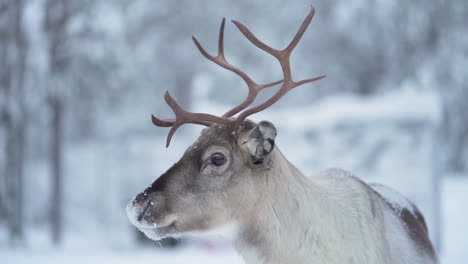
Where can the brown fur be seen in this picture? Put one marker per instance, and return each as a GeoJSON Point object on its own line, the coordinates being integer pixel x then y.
{"type": "Point", "coordinates": [415, 224]}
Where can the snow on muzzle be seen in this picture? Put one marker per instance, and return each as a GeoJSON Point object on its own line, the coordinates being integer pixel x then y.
{"type": "Point", "coordinates": [147, 211]}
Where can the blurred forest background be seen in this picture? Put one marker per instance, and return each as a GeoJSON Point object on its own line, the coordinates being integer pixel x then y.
{"type": "Point", "coordinates": [79, 79]}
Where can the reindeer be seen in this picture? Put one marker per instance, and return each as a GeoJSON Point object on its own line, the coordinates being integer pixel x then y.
{"type": "Point", "coordinates": [234, 181]}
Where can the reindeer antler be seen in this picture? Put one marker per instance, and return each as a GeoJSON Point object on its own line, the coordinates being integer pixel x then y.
{"type": "Point", "coordinates": [185, 117]}
{"type": "Point", "coordinates": [254, 88]}
{"type": "Point", "coordinates": [283, 57]}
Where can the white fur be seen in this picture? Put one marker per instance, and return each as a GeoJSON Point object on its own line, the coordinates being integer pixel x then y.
{"type": "Point", "coordinates": [326, 219]}
{"type": "Point", "coordinates": [228, 230]}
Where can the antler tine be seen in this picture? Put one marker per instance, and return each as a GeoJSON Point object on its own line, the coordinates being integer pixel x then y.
{"type": "Point", "coordinates": [185, 117]}
{"type": "Point", "coordinates": [219, 59]}
{"type": "Point", "coordinates": [162, 122]}
{"type": "Point", "coordinates": [283, 57]}
{"type": "Point", "coordinates": [170, 122]}
{"type": "Point", "coordinates": [300, 31]}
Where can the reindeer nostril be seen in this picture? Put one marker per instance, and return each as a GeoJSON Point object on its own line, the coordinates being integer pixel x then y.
{"type": "Point", "coordinates": [143, 213]}
{"type": "Point", "coordinates": [141, 197]}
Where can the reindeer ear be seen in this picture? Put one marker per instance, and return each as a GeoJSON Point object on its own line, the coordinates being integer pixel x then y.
{"type": "Point", "coordinates": [261, 141]}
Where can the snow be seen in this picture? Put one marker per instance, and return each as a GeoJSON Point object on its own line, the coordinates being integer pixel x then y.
{"type": "Point", "coordinates": [144, 256]}
{"type": "Point", "coordinates": [455, 219]}
{"type": "Point", "coordinates": [406, 103]}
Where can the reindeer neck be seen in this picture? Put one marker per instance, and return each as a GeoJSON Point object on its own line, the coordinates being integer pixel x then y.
{"type": "Point", "coordinates": [270, 233]}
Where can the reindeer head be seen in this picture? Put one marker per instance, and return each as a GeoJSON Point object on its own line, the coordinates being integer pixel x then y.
{"type": "Point", "coordinates": [216, 182]}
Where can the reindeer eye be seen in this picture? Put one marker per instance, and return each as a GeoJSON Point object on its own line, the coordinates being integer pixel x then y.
{"type": "Point", "coordinates": [218, 159]}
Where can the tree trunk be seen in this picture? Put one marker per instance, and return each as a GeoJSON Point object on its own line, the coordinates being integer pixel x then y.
{"type": "Point", "coordinates": [56, 144]}
{"type": "Point", "coordinates": [458, 153]}
{"type": "Point", "coordinates": [14, 181]}
{"type": "Point", "coordinates": [56, 22]}
{"type": "Point", "coordinates": [15, 123]}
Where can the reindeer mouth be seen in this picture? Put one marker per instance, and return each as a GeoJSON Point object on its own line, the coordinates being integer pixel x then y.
{"type": "Point", "coordinates": [160, 228]}
{"type": "Point", "coordinates": [160, 232]}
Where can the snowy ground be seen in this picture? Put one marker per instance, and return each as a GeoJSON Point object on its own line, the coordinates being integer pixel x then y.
{"type": "Point", "coordinates": [455, 219]}
{"type": "Point", "coordinates": [145, 256]}
{"type": "Point", "coordinates": [455, 247]}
